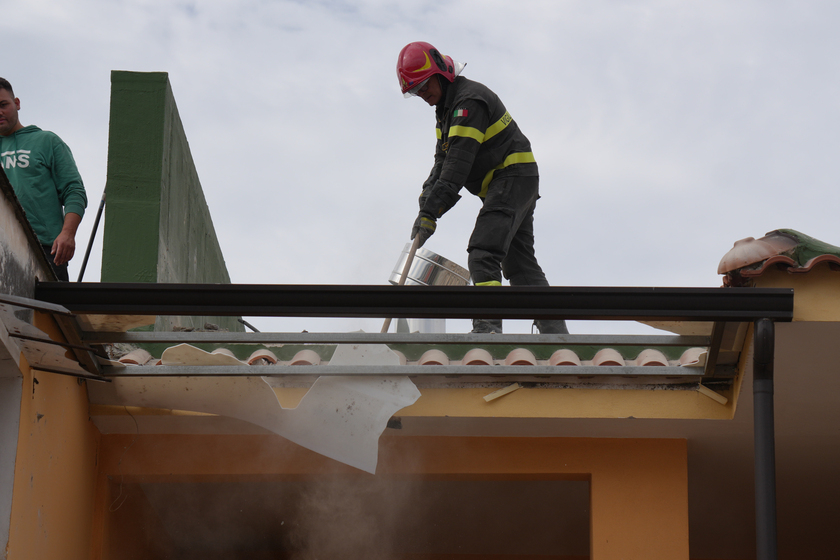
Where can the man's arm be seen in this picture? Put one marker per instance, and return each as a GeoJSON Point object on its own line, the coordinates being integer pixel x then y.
{"type": "Point", "coordinates": [71, 195]}
{"type": "Point", "coordinates": [64, 246]}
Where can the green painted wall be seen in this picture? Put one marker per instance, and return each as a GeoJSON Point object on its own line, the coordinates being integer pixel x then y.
{"type": "Point", "coordinates": [157, 224]}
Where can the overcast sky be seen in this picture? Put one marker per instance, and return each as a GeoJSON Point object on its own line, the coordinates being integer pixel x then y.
{"type": "Point", "coordinates": [664, 130]}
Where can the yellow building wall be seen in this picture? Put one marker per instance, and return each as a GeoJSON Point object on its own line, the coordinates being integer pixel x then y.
{"type": "Point", "coordinates": [544, 402]}
{"type": "Point", "coordinates": [55, 469]}
{"type": "Point", "coordinates": [569, 403]}
{"type": "Point", "coordinates": [639, 487]}
{"type": "Point", "coordinates": [815, 293]}
{"type": "Point", "coordinates": [815, 298]}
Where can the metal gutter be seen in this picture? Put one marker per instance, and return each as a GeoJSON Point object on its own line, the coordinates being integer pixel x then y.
{"type": "Point", "coordinates": [578, 303]}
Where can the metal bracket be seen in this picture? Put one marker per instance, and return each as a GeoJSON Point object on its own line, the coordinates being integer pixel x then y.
{"type": "Point", "coordinates": [714, 348]}
{"type": "Point", "coordinates": [66, 321]}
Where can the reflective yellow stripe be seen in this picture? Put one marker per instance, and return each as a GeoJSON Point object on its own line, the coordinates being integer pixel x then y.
{"type": "Point", "coordinates": [490, 283]}
{"type": "Point", "coordinates": [467, 132]}
{"type": "Point", "coordinates": [477, 135]}
{"type": "Point", "coordinates": [425, 66]}
{"type": "Point", "coordinates": [438, 133]}
{"type": "Point", "coordinates": [521, 157]}
{"type": "Point", "coordinates": [498, 126]}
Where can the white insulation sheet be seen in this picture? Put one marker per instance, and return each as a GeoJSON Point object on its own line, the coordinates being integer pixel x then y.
{"type": "Point", "coordinates": [340, 417]}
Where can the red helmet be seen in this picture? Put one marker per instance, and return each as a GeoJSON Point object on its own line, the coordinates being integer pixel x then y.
{"type": "Point", "coordinates": [418, 61]}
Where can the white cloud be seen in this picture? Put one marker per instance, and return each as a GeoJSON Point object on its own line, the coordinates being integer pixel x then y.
{"type": "Point", "coordinates": [665, 131]}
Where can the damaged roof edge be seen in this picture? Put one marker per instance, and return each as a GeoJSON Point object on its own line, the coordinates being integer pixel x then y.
{"type": "Point", "coordinates": [36, 251]}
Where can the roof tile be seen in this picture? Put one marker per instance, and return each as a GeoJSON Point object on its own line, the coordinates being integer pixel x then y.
{"type": "Point", "coordinates": [787, 248]}
{"type": "Point", "coordinates": [651, 357]}
{"type": "Point", "coordinates": [306, 358]}
{"type": "Point", "coordinates": [564, 357]}
{"type": "Point", "coordinates": [475, 356]}
{"type": "Point", "coordinates": [520, 357]}
{"type": "Point", "coordinates": [262, 356]}
{"type": "Point", "coordinates": [607, 357]}
{"type": "Point", "coordinates": [136, 357]}
{"type": "Point", "coordinates": [433, 357]}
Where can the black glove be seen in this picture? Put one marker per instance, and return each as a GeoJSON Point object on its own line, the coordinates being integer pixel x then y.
{"type": "Point", "coordinates": [424, 196]}
{"type": "Point", "coordinates": [424, 226]}
{"type": "Point", "coordinates": [442, 197]}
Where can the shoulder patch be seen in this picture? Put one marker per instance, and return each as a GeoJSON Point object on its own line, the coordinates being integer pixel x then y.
{"type": "Point", "coordinates": [460, 113]}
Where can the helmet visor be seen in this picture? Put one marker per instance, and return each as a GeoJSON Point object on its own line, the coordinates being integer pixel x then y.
{"type": "Point", "coordinates": [415, 91]}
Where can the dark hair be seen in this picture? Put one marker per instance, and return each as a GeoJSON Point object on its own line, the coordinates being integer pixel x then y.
{"type": "Point", "coordinates": [4, 84]}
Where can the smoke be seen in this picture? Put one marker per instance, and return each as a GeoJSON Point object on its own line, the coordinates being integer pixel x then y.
{"type": "Point", "coordinates": [350, 518]}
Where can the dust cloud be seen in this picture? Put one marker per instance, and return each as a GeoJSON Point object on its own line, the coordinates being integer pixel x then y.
{"type": "Point", "coordinates": [350, 518]}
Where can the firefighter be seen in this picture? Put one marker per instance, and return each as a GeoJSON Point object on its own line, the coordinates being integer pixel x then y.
{"type": "Point", "coordinates": [479, 147]}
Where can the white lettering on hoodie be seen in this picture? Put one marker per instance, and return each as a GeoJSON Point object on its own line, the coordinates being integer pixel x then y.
{"type": "Point", "coordinates": [15, 159]}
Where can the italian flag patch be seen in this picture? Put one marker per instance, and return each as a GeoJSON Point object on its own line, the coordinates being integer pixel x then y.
{"type": "Point", "coordinates": [460, 113]}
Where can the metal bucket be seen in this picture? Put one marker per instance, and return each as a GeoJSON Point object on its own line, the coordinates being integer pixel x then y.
{"type": "Point", "coordinates": [429, 269]}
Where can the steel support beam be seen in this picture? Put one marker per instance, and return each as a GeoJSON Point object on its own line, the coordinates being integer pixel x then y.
{"type": "Point", "coordinates": [466, 373]}
{"type": "Point", "coordinates": [765, 441]}
{"type": "Point", "coordinates": [714, 347]}
{"type": "Point", "coordinates": [567, 340]}
{"type": "Point", "coordinates": [508, 302]}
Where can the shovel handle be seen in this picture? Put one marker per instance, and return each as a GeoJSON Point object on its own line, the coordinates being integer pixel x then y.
{"type": "Point", "coordinates": [414, 246]}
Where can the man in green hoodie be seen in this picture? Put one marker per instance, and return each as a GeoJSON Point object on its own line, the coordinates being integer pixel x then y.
{"type": "Point", "coordinates": [43, 173]}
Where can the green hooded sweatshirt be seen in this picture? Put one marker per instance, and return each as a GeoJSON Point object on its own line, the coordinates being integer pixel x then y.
{"type": "Point", "coordinates": [43, 173]}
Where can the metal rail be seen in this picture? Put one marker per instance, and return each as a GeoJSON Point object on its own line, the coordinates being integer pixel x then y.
{"type": "Point", "coordinates": [587, 303]}
{"type": "Point", "coordinates": [540, 373]}
{"type": "Point", "coordinates": [398, 338]}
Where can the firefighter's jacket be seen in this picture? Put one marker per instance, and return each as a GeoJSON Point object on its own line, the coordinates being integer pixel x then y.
{"type": "Point", "coordinates": [477, 140]}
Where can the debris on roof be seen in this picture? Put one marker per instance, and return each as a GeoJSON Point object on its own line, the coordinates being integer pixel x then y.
{"type": "Point", "coordinates": [340, 417]}
{"type": "Point", "coordinates": [782, 248]}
